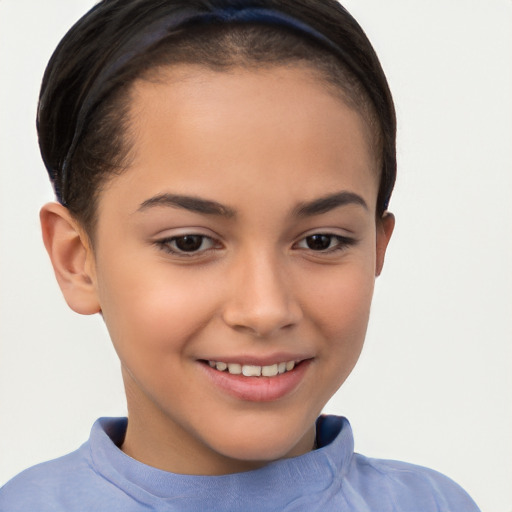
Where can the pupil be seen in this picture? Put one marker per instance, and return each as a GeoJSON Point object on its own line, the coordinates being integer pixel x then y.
{"type": "Point", "coordinates": [189, 243]}
{"type": "Point", "coordinates": [318, 242]}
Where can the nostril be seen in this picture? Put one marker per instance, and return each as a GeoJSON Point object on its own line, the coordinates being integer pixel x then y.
{"type": "Point", "coordinates": [262, 327]}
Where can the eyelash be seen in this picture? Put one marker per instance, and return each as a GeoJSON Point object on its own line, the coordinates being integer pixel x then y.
{"type": "Point", "coordinates": [342, 243]}
{"type": "Point", "coordinates": [169, 244]}
{"type": "Point", "coordinates": [166, 245]}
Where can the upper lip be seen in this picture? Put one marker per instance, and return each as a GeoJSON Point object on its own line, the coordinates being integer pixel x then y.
{"type": "Point", "coordinates": [258, 360]}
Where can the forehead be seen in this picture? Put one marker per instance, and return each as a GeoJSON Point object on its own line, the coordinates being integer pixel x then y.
{"type": "Point", "coordinates": [252, 82]}
{"type": "Point", "coordinates": [199, 129]}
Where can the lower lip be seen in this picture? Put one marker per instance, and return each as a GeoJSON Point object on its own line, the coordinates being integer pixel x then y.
{"type": "Point", "coordinates": [258, 389]}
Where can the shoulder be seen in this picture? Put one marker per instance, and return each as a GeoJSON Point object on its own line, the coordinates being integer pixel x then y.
{"type": "Point", "coordinates": [73, 483]}
{"type": "Point", "coordinates": [385, 485]}
{"type": "Point", "coordinates": [37, 486]}
{"type": "Point", "coordinates": [68, 484]}
{"type": "Point", "coordinates": [410, 485]}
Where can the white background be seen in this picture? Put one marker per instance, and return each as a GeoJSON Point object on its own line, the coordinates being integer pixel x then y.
{"type": "Point", "coordinates": [434, 384]}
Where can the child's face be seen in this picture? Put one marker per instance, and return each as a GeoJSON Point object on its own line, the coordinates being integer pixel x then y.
{"type": "Point", "coordinates": [243, 232]}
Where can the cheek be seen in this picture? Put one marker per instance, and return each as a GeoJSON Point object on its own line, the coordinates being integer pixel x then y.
{"type": "Point", "coordinates": [153, 307]}
{"type": "Point", "coordinates": [339, 309]}
{"type": "Point", "coordinates": [345, 323]}
{"type": "Point", "coordinates": [342, 295]}
{"type": "Point", "coordinates": [345, 309]}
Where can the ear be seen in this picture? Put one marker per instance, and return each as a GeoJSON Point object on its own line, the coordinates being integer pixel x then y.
{"type": "Point", "coordinates": [72, 258]}
{"type": "Point", "coordinates": [385, 227]}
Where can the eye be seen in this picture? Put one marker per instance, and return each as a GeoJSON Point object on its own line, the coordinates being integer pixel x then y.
{"type": "Point", "coordinates": [324, 242]}
{"type": "Point", "coordinates": [187, 244]}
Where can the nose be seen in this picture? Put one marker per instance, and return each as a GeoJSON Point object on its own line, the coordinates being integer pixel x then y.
{"type": "Point", "coordinates": [262, 299]}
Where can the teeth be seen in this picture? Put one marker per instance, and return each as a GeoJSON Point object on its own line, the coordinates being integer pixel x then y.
{"type": "Point", "coordinates": [249, 370]}
{"type": "Point", "coordinates": [269, 371]}
{"type": "Point", "coordinates": [234, 368]}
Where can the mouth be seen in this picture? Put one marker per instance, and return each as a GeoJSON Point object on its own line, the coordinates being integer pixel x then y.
{"type": "Point", "coordinates": [250, 370]}
{"type": "Point", "coordinates": [257, 383]}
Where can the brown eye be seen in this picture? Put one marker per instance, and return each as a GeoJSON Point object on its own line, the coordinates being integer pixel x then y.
{"type": "Point", "coordinates": [325, 243]}
{"type": "Point", "coordinates": [189, 243]}
{"type": "Point", "coordinates": [319, 242]}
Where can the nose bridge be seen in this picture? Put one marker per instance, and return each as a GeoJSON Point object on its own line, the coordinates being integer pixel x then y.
{"type": "Point", "coordinates": [261, 295]}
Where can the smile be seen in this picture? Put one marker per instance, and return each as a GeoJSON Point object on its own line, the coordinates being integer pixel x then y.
{"type": "Point", "coordinates": [257, 383]}
{"type": "Point", "coordinates": [249, 370]}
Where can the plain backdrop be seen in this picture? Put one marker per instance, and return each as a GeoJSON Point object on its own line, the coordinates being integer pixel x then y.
{"type": "Point", "coordinates": [434, 383]}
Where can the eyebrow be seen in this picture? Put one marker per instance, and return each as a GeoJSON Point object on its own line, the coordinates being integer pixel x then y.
{"type": "Point", "coordinates": [327, 203]}
{"type": "Point", "coordinates": [191, 203]}
{"type": "Point", "coordinates": [207, 207]}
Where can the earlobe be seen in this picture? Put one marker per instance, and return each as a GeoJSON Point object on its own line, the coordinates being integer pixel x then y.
{"type": "Point", "coordinates": [72, 258]}
{"type": "Point", "coordinates": [385, 227]}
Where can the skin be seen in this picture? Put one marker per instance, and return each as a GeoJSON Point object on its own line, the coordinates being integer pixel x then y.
{"type": "Point", "coordinates": [262, 144]}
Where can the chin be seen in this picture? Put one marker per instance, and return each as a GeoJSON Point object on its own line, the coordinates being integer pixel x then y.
{"type": "Point", "coordinates": [259, 446]}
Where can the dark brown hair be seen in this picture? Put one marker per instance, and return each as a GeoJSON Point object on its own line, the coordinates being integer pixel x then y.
{"type": "Point", "coordinates": [84, 102]}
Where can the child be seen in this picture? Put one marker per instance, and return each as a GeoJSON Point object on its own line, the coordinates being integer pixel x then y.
{"type": "Point", "coordinates": [223, 170]}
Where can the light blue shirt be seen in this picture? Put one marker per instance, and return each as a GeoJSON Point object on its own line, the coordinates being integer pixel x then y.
{"type": "Point", "coordinates": [100, 477]}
